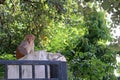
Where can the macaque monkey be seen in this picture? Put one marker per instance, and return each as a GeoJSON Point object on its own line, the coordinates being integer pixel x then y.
{"type": "Point", "coordinates": [26, 46]}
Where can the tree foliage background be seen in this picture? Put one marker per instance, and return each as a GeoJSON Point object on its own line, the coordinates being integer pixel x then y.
{"type": "Point", "coordinates": [76, 28]}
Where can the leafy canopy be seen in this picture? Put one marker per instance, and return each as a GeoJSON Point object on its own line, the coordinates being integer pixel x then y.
{"type": "Point", "coordinates": [74, 28]}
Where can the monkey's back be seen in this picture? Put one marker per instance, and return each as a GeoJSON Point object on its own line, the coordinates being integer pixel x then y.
{"type": "Point", "coordinates": [19, 54]}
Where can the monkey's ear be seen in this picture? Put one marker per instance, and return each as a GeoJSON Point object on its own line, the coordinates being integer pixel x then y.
{"type": "Point", "coordinates": [33, 36]}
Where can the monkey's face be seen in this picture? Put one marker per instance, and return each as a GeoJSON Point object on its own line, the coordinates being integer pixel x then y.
{"type": "Point", "coordinates": [30, 38]}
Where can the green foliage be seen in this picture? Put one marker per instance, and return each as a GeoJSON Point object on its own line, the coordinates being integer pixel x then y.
{"type": "Point", "coordinates": [7, 57]}
{"type": "Point", "coordinates": [89, 52]}
{"type": "Point", "coordinates": [61, 36]}
{"type": "Point", "coordinates": [111, 6]}
{"type": "Point", "coordinates": [85, 51]}
{"type": "Point", "coordinates": [116, 46]}
{"type": "Point", "coordinates": [74, 28]}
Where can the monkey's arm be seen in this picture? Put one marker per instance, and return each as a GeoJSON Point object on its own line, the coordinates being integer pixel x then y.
{"type": "Point", "coordinates": [22, 48]}
{"type": "Point", "coordinates": [32, 48]}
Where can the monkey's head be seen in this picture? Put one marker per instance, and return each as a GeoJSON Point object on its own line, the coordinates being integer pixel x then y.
{"type": "Point", "coordinates": [30, 37]}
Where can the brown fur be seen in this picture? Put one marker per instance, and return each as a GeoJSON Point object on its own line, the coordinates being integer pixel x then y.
{"type": "Point", "coordinates": [26, 46]}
